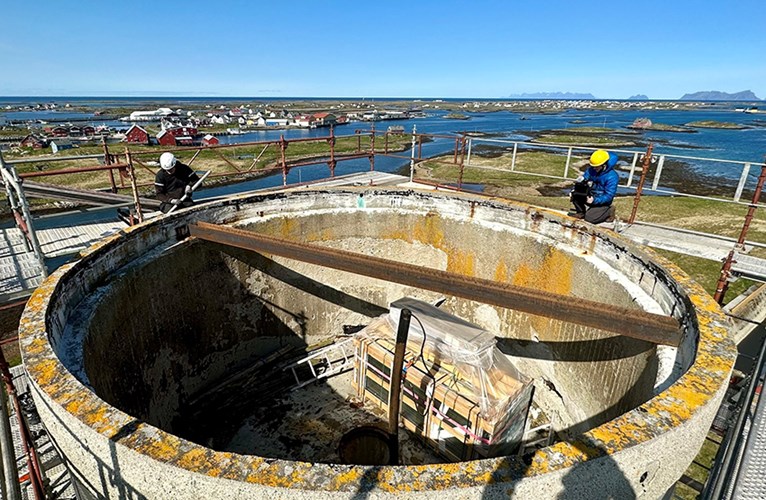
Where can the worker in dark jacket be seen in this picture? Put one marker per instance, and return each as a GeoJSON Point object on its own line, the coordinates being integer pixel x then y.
{"type": "Point", "coordinates": [594, 191]}
{"type": "Point", "coordinates": [173, 183]}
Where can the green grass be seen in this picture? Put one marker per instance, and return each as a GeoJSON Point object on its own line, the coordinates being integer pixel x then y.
{"type": "Point", "coordinates": [715, 124]}
{"type": "Point", "coordinates": [582, 140]}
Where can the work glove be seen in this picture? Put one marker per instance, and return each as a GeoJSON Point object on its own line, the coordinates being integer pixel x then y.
{"type": "Point", "coordinates": [175, 201]}
{"type": "Point", "coordinates": [580, 179]}
{"type": "Point", "coordinates": [188, 190]}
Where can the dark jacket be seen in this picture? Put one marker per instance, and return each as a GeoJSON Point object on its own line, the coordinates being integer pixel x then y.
{"type": "Point", "coordinates": [169, 186]}
{"type": "Point", "coordinates": [604, 182]}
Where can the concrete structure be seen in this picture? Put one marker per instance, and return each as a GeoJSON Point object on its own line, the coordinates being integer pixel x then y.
{"type": "Point", "coordinates": [118, 344]}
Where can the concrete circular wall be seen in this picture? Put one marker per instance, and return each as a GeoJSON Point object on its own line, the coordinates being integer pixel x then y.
{"type": "Point", "coordinates": [118, 344]}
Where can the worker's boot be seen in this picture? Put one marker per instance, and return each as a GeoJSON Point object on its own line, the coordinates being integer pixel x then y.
{"type": "Point", "coordinates": [612, 212]}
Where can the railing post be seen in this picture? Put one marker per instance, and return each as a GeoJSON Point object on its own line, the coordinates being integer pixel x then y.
{"type": "Point", "coordinates": [566, 166]}
{"type": "Point", "coordinates": [372, 147]}
{"type": "Point", "coordinates": [282, 148]}
{"type": "Point", "coordinates": [457, 148]}
{"type": "Point", "coordinates": [644, 170]}
{"type": "Point", "coordinates": [332, 161]}
{"type": "Point", "coordinates": [386, 146]}
{"type": "Point", "coordinates": [133, 185]}
{"type": "Point", "coordinates": [723, 280]}
{"type": "Point", "coordinates": [412, 153]}
{"type": "Point", "coordinates": [420, 147]}
{"type": "Point", "coordinates": [513, 156]}
{"type": "Point", "coordinates": [658, 173]}
{"type": "Point", "coordinates": [632, 170]}
{"type": "Point", "coordinates": [470, 146]}
{"type": "Point", "coordinates": [108, 161]}
{"type": "Point", "coordinates": [742, 181]}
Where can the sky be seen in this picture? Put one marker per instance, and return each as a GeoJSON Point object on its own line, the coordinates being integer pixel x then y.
{"type": "Point", "coordinates": [432, 49]}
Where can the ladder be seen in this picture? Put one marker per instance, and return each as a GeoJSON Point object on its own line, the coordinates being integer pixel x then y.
{"type": "Point", "coordinates": [333, 359]}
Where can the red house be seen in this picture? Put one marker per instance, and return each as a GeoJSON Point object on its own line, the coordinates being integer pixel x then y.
{"type": "Point", "coordinates": [88, 130]}
{"type": "Point", "coordinates": [182, 131]}
{"type": "Point", "coordinates": [210, 140]}
{"type": "Point", "coordinates": [34, 141]}
{"type": "Point", "coordinates": [165, 138]}
{"type": "Point", "coordinates": [60, 131]}
{"type": "Point", "coordinates": [137, 135]}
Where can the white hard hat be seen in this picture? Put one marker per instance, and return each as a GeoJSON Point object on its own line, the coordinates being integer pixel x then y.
{"type": "Point", "coordinates": [167, 161]}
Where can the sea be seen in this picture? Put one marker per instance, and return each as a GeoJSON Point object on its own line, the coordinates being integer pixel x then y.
{"type": "Point", "coordinates": [745, 145]}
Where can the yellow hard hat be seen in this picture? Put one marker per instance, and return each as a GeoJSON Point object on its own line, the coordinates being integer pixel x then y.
{"type": "Point", "coordinates": [598, 158]}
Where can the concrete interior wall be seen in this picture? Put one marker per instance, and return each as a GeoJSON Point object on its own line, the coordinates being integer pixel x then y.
{"type": "Point", "coordinates": [201, 311]}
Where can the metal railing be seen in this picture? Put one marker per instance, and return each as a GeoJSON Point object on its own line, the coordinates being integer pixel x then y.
{"type": "Point", "coordinates": [742, 169]}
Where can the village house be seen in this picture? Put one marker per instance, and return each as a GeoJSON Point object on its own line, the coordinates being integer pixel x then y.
{"type": "Point", "coordinates": [60, 144]}
{"type": "Point", "coordinates": [137, 135]}
{"type": "Point", "coordinates": [325, 119]}
{"type": "Point", "coordinates": [34, 141]}
{"type": "Point", "coordinates": [305, 121]}
{"type": "Point", "coordinates": [165, 138]}
{"type": "Point", "coordinates": [210, 140]}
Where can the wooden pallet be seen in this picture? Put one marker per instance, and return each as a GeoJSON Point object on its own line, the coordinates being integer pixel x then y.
{"type": "Point", "coordinates": [439, 403]}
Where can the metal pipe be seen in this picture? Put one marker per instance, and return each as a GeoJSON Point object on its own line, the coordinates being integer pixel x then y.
{"type": "Point", "coordinates": [107, 161]}
{"type": "Point", "coordinates": [412, 153]}
{"type": "Point", "coordinates": [332, 164]}
{"type": "Point", "coordinates": [77, 170]}
{"type": "Point", "coordinates": [655, 328]}
{"type": "Point", "coordinates": [644, 171]}
{"type": "Point", "coordinates": [396, 384]}
{"type": "Point", "coordinates": [35, 472]}
{"type": "Point", "coordinates": [134, 186]}
{"type": "Point", "coordinates": [10, 479]}
{"type": "Point", "coordinates": [723, 280]}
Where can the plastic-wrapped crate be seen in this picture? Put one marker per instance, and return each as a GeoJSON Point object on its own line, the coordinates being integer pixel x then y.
{"type": "Point", "coordinates": [459, 393]}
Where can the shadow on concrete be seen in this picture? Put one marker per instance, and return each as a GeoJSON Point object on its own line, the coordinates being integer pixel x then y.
{"type": "Point", "coordinates": [606, 349]}
{"type": "Point", "coordinates": [109, 473]}
{"type": "Point", "coordinates": [301, 282]}
{"type": "Point", "coordinates": [597, 476]}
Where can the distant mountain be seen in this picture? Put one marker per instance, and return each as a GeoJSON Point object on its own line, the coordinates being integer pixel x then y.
{"type": "Point", "coordinates": [638, 97]}
{"type": "Point", "coordinates": [714, 95]}
{"type": "Point", "coordinates": [552, 95]}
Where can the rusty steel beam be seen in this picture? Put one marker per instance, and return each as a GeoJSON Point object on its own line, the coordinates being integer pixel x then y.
{"type": "Point", "coordinates": [635, 323]}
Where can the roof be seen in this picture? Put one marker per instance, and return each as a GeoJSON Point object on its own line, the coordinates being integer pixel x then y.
{"type": "Point", "coordinates": [139, 128]}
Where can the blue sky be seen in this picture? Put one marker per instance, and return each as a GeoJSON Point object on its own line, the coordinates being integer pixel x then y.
{"type": "Point", "coordinates": [331, 48]}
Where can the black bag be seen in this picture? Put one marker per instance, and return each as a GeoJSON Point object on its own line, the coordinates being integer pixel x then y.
{"type": "Point", "coordinates": [582, 190]}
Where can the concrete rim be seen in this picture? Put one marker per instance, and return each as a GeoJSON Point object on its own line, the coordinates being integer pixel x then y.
{"type": "Point", "coordinates": [671, 408]}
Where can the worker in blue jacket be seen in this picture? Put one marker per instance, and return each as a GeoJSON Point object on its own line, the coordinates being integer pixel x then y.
{"type": "Point", "coordinates": [594, 191]}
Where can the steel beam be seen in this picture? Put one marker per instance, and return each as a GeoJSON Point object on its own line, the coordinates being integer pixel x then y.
{"type": "Point", "coordinates": [634, 323]}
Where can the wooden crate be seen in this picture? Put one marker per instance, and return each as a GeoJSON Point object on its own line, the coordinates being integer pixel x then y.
{"type": "Point", "coordinates": [438, 402]}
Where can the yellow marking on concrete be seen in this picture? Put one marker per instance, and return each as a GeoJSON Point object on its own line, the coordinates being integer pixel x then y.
{"type": "Point", "coordinates": [430, 231]}
{"type": "Point", "coordinates": [288, 227]}
{"type": "Point", "coordinates": [501, 272]}
{"type": "Point", "coordinates": [460, 262]}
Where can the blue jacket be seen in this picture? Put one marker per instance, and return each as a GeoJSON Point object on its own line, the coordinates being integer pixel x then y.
{"type": "Point", "coordinates": [604, 182]}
